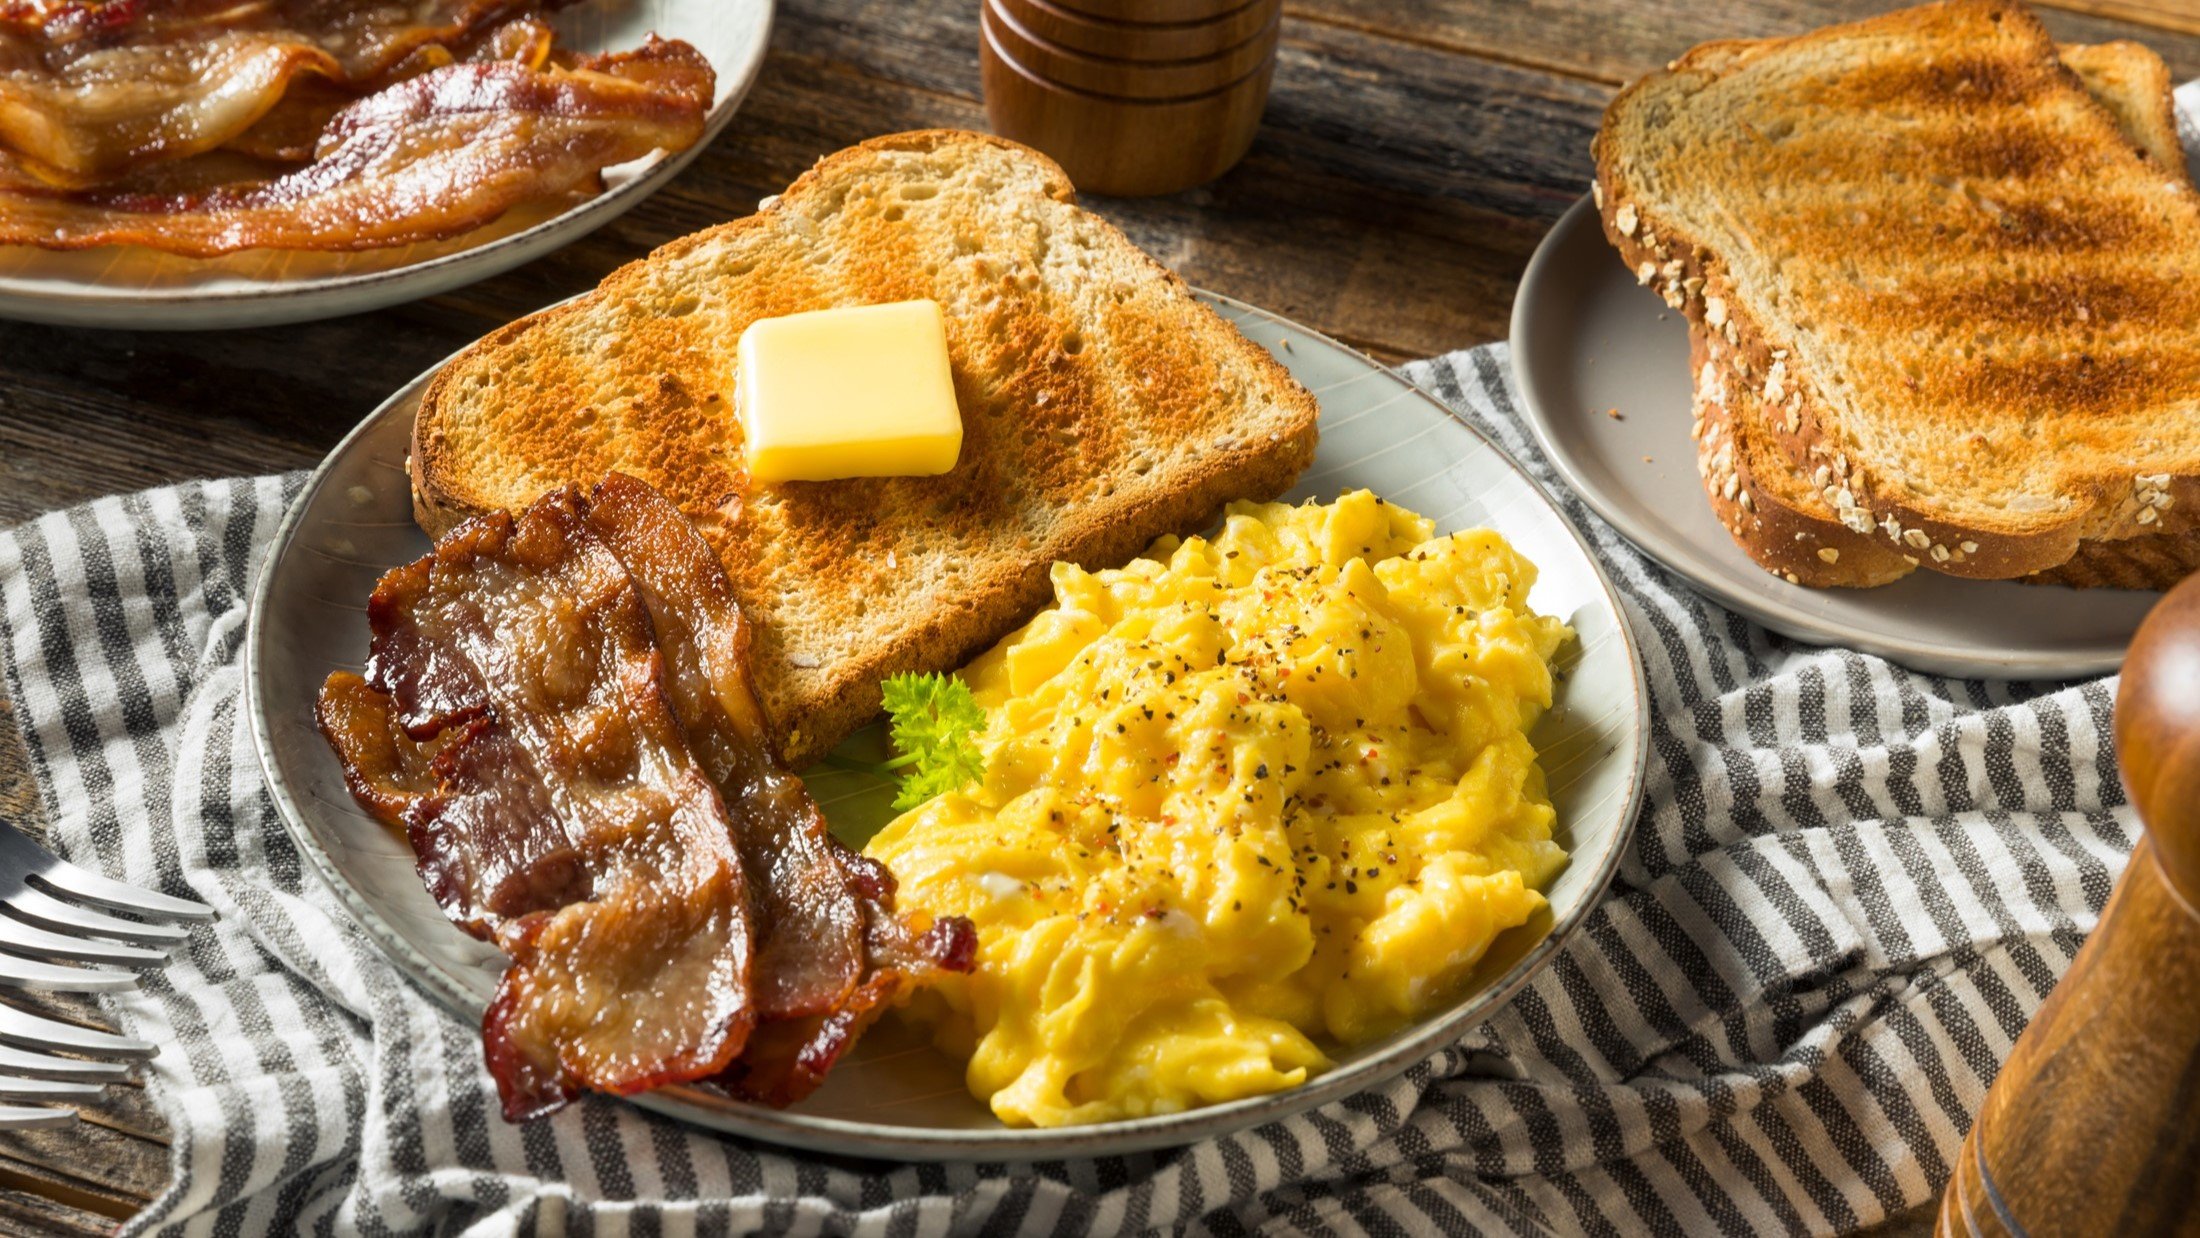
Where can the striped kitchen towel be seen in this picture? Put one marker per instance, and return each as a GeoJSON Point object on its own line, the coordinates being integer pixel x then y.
{"type": "Point", "coordinates": [1849, 888]}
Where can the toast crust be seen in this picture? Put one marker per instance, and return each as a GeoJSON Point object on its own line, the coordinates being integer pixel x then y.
{"type": "Point", "coordinates": [1101, 411]}
{"type": "Point", "coordinates": [2152, 497]}
{"type": "Point", "coordinates": [1791, 531]}
{"type": "Point", "coordinates": [1788, 535]}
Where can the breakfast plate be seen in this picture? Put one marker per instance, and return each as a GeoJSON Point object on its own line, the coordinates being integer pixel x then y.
{"type": "Point", "coordinates": [132, 288]}
{"type": "Point", "coordinates": [1589, 342]}
{"type": "Point", "coordinates": [894, 1096]}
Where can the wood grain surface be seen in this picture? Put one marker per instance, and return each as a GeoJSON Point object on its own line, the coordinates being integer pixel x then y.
{"type": "Point", "coordinates": [1412, 154]}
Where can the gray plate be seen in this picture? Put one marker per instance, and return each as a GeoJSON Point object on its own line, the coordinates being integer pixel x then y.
{"type": "Point", "coordinates": [895, 1097]}
{"type": "Point", "coordinates": [1586, 338]}
{"type": "Point", "coordinates": [140, 289]}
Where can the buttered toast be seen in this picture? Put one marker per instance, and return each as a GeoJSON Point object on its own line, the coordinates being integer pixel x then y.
{"type": "Point", "coordinates": [1102, 407]}
{"type": "Point", "coordinates": [1787, 521]}
{"type": "Point", "coordinates": [1936, 254]}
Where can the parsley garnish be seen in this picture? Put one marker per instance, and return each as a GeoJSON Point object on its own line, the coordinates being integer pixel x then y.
{"type": "Point", "coordinates": [935, 728]}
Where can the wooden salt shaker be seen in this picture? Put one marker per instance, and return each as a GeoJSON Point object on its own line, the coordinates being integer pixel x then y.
{"type": "Point", "coordinates": [1131, 97]}
{"type": "Point", "coordinates": [2093, 1126]}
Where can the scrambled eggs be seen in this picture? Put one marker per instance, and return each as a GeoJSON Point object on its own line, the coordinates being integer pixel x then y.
{"type": "Point", "coordinates": [1242, 797]}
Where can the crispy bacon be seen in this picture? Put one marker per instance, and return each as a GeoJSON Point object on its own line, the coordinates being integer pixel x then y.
{"type": "Point", "coordinates": [386, 769]}
{"type": "Point", "coordinates": [560, 690]}
{"type": "Point", "coordinates": [430, 157]}
{"type": "Point", "coordinates": [290, 131]}
{"type": "Point", "coordinates": [570, 821]}
{"type": "Point", "coordinates": [809, 921]}
{"type": "Point", "coordinates": [91, 90]}
{"type": "Point", "coordinates": [834, 953]}
{"type": "Point", "coordinates": [786, 1060]}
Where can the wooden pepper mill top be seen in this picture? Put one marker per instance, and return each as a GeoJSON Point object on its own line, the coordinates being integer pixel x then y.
{"type": "Point", "coordinates": [2158, 734]}
{"type": "Point", "coordinates": [2093, 1126]}
{"type": "Point", "coordinates": [1131, 97]}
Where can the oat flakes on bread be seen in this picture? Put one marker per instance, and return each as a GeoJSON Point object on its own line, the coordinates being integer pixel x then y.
{"type": "Point", "coordinates": [1783, 522]}
{"type": "Point", "coordinates": [1988, 311]}
{"type": "Point", "coordinates": [1102, 407]}
{"type": "Point", "coordinates": [1787, 521]}
{"type": "Point", "coordinates": [1776, 516]}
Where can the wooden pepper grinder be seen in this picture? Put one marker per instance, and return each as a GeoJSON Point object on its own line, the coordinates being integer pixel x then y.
{"type": "Point", "coordinates": [1131, 97]}
{"type": "Point", "coordinates": [2093, 1126]}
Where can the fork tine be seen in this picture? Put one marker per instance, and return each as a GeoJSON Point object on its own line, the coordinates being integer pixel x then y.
{"type": "Point", "coordinates": [50, 912]}
{"type": "Point", "coordinates": [21, 1027]}
{"type": "Point", "coordinates": [16, 1087]}
{"type": "Point", "coordinates": [27, 1118]}
{"type": "Point", "coordinates": [20, 938]}
{"type": "Point", "coordinates": [19, 851]}
{"type": "Point", "coordinates": [107, 892]}
{"type": "Point", "coordinates": [54, 978]}
{"type": "Point", "coordinates": [46, 1066]}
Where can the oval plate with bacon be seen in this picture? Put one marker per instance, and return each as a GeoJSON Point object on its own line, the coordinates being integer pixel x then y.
{"type": "Point", "coordinates": [504, 128]}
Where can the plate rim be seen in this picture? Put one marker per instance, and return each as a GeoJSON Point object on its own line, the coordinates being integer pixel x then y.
{"type": "Point", "coordinates": [848, 1137]}
{"type": "Point", "coordinates": [1763, 607]}
{"type": "Point", "coordinates": [78, 303]}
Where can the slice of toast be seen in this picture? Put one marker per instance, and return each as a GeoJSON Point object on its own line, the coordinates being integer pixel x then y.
{"type": "Point", "coordinates": [1102, 407]}
{"type": "Point", "coordinates": [1777, 516]}
{"type": "Point", "coordinates": [1926, 243]}
{"type": "Point", "coordinates": [1790, 527]}
{"type": "Point", "coordinates": [1787, 522]}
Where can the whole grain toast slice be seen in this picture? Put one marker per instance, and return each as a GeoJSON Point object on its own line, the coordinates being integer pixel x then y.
{"type": "Point", "coordinates": [1791, 529]}
{"type": "Point", "coordinates": [1102, 407]}
{"type": "Point", "coordinates": [1938, 256]}
{"type": "Point", "coordinates": [1778, 517]}
{"type": "Point", "coordinates": [1784, 519]}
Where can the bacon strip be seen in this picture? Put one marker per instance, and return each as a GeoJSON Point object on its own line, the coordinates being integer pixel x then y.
{"type": "Point", "coordinates": [535, 688]}
{"type": "Point", "coordinates": [91, 90]}
{"type": "Point", "coordinates": [386, 770]}
{"type": "Point", "coordinates": [787, 1060]}
{"type": "Point", "coordinates": [570, 820]}
{"type": "Point", "coordinates": [430, 157]}
{"type": "Point", "coordinates": [290, 131]}
{"type": "Point", "coordinates": [808, 918]}
{"type": "Point", "coordinates": [834, 953]}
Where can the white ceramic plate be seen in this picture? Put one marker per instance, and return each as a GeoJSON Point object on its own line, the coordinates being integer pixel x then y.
{"type": "Point", "coordinates": [1587, 339]}
{"type": "Point", "coordinates": [129, 287]}
{"type": "Point", "coordinates": [895, 1097]}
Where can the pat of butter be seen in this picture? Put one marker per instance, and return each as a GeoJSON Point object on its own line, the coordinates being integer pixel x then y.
{"type": "Point", "coordinates": [858, 392]}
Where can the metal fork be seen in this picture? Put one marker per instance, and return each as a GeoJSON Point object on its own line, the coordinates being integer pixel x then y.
{"type": "Point", "coordinates": [57, 945]}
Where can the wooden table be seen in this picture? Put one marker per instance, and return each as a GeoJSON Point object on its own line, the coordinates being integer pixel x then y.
{"type": "Point", "coordinates": [1413, 153]}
